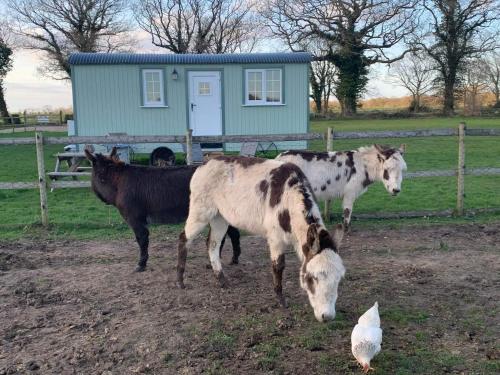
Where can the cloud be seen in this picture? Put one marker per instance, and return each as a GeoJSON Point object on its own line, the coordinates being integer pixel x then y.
{"type": "Point", "coordinates": [26, 88]}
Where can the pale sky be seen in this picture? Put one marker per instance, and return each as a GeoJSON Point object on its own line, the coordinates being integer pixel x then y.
{"type": "Point", "coordinates": [26, 89]}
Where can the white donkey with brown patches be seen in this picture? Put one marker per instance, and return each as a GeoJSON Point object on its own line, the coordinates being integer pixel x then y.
{"type": "Point", "coordinates": [274, 200]}
{"type": "Point", "coordinates": [348, 174]}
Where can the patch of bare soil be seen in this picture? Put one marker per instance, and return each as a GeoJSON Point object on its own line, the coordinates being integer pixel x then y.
{"type": "Point", "coordinates": [78, 307]}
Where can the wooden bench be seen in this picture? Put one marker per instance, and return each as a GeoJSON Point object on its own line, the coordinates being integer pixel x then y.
{"type": "Point", "coordinates": [75, 170]}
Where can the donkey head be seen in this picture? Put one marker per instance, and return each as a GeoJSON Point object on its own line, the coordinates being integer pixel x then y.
{"type": "Point", "coordinates": [103, 175]}
{"type": "Point", "coordinates": [393, 166]}
{"type": "Point", "coordinates": [322, 270]}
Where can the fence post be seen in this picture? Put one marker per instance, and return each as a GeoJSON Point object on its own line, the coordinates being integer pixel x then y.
{"type": "Point", "coordinates": [60, 117]}
{"type": "Point", "coordinates": [25, 120]}
{"type": "Point", "coordinates": [189, 147]}
{"type": "Point", "coordinates": [461, 169]}
{"type": "Point", "coordinates": [329, 147]}
{"type": "Point", "coordinates": [41, 178]}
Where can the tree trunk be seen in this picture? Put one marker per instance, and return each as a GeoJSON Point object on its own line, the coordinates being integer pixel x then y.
{"type": "Point", "coordinates": [3, 105]}
{"type": "Point", "coordinates": [449, 96]}
{"type": "Point", "coordinates": [347, 106]}
{"type": "Point", "coordinates": [316, 92]}
{"type": "Point", "coordinates": [415, 104]}
{"type": "Point", "coordinates": [473, 100]}
{"type": "Point", "coordinates": [326, 97]}
{"type": "Point", "coordinates": [497, 98]}
{"type": "Point", "coordinates": [449, 81]}
{"type": "Point", "coordinates": [317, 101]}
{"type": "Point", "coordinates": [352, 73]}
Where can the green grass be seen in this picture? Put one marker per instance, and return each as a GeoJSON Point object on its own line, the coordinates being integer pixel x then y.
{"type": "Point", "coordinates": [79, 214]}
{"type": "Point", "coordinates": [425, 153]}
{"type": "Point", "coordinates": [420, 361]}
{"type": "Point", "coordinates": [409, 344]}
{"type": "Point", "coordinates": [403, 316]}
{"type": "Point", "coordinates": [408, 124]}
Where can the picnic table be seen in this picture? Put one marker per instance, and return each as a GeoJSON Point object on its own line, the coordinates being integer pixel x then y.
{"type": "Point", "coordinates": [74, 161]}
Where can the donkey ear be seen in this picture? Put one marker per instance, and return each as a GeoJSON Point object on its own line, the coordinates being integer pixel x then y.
{"type": "Point", "coordinates": [338, 235]}
{"type": "Point", "coordinates": [313, 239]}
{"type": "Point", "coordinates": [89, 156]}
{"type": "Point", "coordinates": [114, 153]}
{"type": "Point", "coordinates": [402, 148]}
{"type": "Point", "coordinates": [379, 148]}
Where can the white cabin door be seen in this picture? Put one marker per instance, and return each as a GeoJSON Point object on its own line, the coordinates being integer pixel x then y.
{"type": "Point", "coordinates": [205, 104]}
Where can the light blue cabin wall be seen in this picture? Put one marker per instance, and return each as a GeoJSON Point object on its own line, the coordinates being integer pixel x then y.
{"type": "Point", "coordinates": [108, 100]}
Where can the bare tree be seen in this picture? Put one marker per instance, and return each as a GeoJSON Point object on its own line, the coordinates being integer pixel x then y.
{"type": "Point", "coordinates": [322, 81]}
{"type": "Point", "coordinates": [458, 31]}
{"type": "Point", "coordinates": [199, 26]}
{"type": "Point", "coordinates": [492, 65]}
{"type": "Point", "coordinates": [331, 82]}
{"type": "Point", "coordinates": [474, 83]}
{"type": "Point", "coordinates": [60, 27]}
{"type": "Point", "coordinates": [360, 33]}
{"type": "Point", "coordinates": [416, 74]}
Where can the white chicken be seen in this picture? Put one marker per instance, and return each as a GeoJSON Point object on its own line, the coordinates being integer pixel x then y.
{"type": "Point", "coordinates": [366, 337]}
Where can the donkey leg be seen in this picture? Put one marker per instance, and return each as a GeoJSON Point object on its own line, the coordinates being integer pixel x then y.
{"type": "Point", "coordinates": [278, 265]}
{"type": "Point", "coordinates": [347, 204]}
{"type": "Point", "coordinates": [142, 236]}
{"type": "Point", "coordinates": [234, 235]}
{"type": "Point", "coordinates": [191, 230]}
{"type": "Point", "coordinates": [218, 229]}
{"type": "Point", "coordinates": [221, 244]}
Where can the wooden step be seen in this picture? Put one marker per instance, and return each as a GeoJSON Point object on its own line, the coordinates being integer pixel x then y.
{"type": "Point", "coordinates": [55, 175]}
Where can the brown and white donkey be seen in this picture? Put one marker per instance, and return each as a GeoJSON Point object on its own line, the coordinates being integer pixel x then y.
{"type": "Point", "coordinates": [347, 174]}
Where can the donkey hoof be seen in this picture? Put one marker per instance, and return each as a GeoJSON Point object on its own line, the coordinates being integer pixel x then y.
{"type": "Point", "coordinates": [222, 280]}
{"type": "Point", "coordinates": [180, 285]}
{"type": "Point", "coordinates": [282, 302]}
{"type": "Point", "coordinates": [140, 268]}
{"type": "Point", "coordinates": [234, 261]}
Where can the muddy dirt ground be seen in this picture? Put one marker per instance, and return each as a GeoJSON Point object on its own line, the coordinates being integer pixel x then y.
{"type": "Point", "coordinates": [77, 307]}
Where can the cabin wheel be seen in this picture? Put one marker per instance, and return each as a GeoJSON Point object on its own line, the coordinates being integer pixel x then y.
{"type": "Point", "coordinates": [162, 157]}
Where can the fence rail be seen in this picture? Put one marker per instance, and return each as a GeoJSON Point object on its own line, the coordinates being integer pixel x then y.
{"type": "Point", "coordinates": [336, 135]}
{"type": "Point", "coordinates": [445, 132]}
{"type": "Point", "coordinates": [20, 120]}
{"type": "Point", "coordinates": [330, 137]}
{"type": "Point", "coordinates": [165, 139]}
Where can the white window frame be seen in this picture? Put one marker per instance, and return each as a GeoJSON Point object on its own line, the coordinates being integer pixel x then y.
{"type": "Point", "coordinates": [145, 103]}
{"type": "Point", "coordinates": [263, 101]}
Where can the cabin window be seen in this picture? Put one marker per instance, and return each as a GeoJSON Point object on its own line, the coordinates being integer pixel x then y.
{"type": "Point", "coordinates": [263, 87]}
{"type": "Point", "coordinates": [152, 85]}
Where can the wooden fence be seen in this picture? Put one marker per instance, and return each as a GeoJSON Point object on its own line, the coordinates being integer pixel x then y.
{"type": "Point", "coordinates": [25, 120]}
{"type": "Point", "coordinates": [460, 132]}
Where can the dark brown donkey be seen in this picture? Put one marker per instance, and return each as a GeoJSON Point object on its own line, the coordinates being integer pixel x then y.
{"type": "Point", "coordinates": [145, 195]}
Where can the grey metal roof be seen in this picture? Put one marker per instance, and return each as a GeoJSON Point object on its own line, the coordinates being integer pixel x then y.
{"type": "Point", "coordinates": [150, 58]}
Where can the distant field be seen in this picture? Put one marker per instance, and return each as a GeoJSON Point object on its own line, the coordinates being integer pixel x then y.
{"type": "Point", "coordinates": [78, 213]}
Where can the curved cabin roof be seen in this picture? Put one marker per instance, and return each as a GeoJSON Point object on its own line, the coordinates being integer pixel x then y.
{"type": "Point", "coordinates": [150, 58]}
